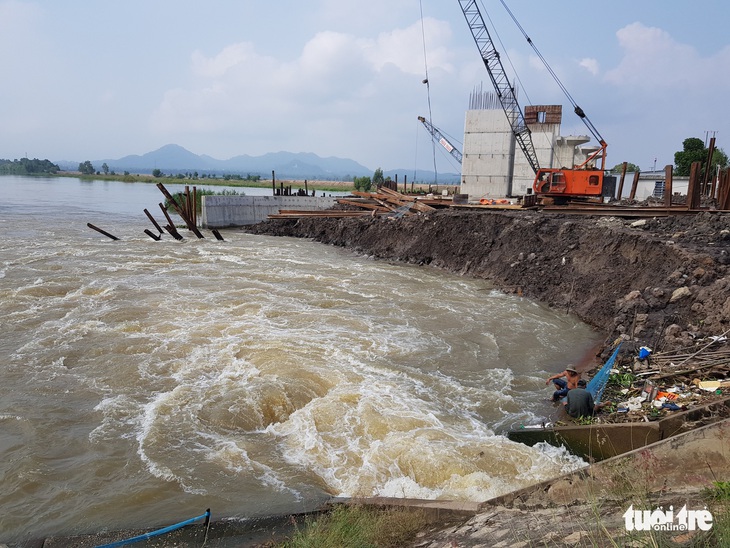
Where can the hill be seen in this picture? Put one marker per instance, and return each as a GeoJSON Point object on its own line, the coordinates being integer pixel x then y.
{"type": "Point", "coordinates": [173, 159]}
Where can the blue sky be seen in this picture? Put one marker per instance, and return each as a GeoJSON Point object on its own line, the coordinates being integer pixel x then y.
{"type": "Point", "coordinates": [91, 80]}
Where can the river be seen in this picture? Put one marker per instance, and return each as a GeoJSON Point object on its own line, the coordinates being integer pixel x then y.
{"type": "Point", "coordinates": [145, 381]}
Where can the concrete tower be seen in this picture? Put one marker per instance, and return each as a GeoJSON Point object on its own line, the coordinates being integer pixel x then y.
{"type": "Point", "coordinates": [492, 166]}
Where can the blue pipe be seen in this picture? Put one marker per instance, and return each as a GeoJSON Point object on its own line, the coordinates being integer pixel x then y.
{"type": "Point", "coordinates": [159, 532]}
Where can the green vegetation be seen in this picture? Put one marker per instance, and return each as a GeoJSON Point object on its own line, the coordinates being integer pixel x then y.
{"type": "Point", "coordinates": [359, 526]}
{"type": "Point", "coordinates": [624, 380]}
{"type": "Point", "coordinates": [363, 184]}
{"type": "Point", "coordinates": [179, 197]}
{"type": "Point", "coordinates": [86, 168]}
{"type": "Point", "coordinates": [254, 181]}
{"type": "Point", "coordinates": [694, 150]}
{"type": "Point", "coordinates": [25, 166]}
{"type": "Point", "coordinates": [618, 168]}
{"type": "Point", "coordinates": [378, 178]}
{"type": "Point", "coordinates": [719, 503]}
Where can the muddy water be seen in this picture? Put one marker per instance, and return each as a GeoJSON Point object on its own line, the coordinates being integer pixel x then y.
{"type": "Point", "coordinates": [143, 381]}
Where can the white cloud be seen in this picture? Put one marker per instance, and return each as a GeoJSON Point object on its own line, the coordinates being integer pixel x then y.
{"type": "Point", "coordinates": [338, 82]}
{"type": "Point", "coordinates": [653, 60]}
{"type": "Point", "coordinates": [404, 48]}
{"type": "Point", "coordinates": [590, 64]}
{"type": "Point", "coordinates": [217, 66]}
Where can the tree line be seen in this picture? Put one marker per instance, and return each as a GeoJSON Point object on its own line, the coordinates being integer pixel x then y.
{"type": "Point", "coordinates": [693, 150]}
{"type": "Point", "coordinates": [26, 166]}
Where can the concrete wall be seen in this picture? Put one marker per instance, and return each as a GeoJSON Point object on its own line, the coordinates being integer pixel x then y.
{"type": "Point", "coordinates": [695, 458]}
{"type": "Point", "coordinates": [231, 211]}
{"type": "Point", "coordinates": [488, 155]}
{"type": "Point", "coordinates": [544, 139]}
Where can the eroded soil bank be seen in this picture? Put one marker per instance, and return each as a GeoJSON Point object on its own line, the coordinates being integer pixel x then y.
{"type": "Point", "coordinates": [661, 282]}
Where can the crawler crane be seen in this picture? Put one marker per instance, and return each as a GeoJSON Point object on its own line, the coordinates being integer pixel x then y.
{"type": "Point", "coordinates": [580, 181]}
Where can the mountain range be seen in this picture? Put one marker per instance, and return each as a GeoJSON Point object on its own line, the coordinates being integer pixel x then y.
{"type": "Point", "coordinates": [173, 159]}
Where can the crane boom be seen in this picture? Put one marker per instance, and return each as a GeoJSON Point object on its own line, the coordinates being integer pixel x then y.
{"type": "Point", "coordinates": [438, 137]}
{"type": "Point", "coordinates": [505, 91]}
{"type": "Point", "coordinates": [584, 181]}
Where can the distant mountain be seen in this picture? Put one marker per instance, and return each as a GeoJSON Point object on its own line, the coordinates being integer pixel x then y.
{"type": "Point", "coordinates": [173, 159]}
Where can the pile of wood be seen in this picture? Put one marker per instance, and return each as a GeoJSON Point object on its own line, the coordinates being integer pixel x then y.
{"type": "Point", "coordinates": [383, 202]}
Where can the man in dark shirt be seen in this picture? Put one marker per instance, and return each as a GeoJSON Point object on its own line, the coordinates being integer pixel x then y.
{"type": "Point", "coordinates": [580, 402]}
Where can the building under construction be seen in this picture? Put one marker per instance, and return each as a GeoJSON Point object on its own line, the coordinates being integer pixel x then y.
{"type": "Point", "coordinates": [490, 165]}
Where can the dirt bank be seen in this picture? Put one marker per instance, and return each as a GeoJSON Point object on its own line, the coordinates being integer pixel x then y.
{"type": "Point", "coordinates": [662, 282]}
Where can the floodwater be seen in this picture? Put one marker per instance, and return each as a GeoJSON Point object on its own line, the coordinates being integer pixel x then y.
{"type": "Point", "coordinates": [143, 381]}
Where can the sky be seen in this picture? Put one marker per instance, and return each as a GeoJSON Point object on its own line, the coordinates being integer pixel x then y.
{"type": "Point", "coordinates": [86, 80]}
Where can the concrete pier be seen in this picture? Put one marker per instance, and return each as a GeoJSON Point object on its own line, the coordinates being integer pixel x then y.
{"type": "Point", "coordinates": [233, 211]}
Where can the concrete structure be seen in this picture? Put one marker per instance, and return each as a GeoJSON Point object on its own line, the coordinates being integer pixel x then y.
{"type": "Point", "coordinates": [232, 211]}
{"type": "Point", "coordinates": [493, 166]}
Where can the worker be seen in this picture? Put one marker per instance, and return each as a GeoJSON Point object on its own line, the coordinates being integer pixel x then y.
{"type": "Point", "coordinates": [579, 402]}
{"type": "Point", "coordinates": [562, 386]}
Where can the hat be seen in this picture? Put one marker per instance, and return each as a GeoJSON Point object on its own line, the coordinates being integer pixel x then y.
{"type": "Point", "coordinates": [582, 382]}
{"type": "Point", "coordinates": [570, 370]}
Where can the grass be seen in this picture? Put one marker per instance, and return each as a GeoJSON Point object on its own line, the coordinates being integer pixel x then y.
{"type": "Point", "coordinates": [333, 186]}
{"type": "Point", "coordinates": [596, 523]}
{"type": "Point", "coordinates": [179, 197]}
{"type": "Point", "coordinates": [359, 526]}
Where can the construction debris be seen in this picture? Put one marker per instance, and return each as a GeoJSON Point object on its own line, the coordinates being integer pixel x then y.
{"type": "Point", "coordinates": [650, 387]}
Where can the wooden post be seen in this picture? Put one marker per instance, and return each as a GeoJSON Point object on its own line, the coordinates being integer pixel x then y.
{"type": "Point", "coordinates": [173, 232]}
{"type": "Point", "coordinates": [723, 190]}
{"type": "Point", "coordinates": [273, 181]}
{"type": "Point", "coordinates": [185, 206]}
{"type": "Point", "coordinates": [634, 184]}
{"type": "Point", "coordinates": [195, 206]}
{"type": "Point", "coordinates": [621, 181]}
{"type": "Point", "coordinates": [217, 235]}
{"type": "Point", "coordinates": [708, 166]}
{"type": "Point", "coordinates": [152, 235]}
{"type": "Point", "coordinates": [167, 215]}
{"type": "Point", "coordinates": [180, 211]}
{"type": "Point", "coordinates": [668, 186]}
{"type": "Point", "coordinates": [105, 233]}
{"type": "Point", "coordinates": [151, 218]}
{"type": "Point", "coordinates": [694, 188]}
{"type": "Point", "coordinates": [713, 186]}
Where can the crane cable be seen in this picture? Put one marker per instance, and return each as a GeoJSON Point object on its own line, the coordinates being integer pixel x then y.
{"type": "Point", "coordinates": [428, 92]}
{"type": "Point", "coordinates": [579, 111]}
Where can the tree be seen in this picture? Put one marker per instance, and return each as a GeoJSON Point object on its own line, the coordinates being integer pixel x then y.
{"type": "Point", "coordinates": [363, 184]}
{"type": "Point", "coordinates": [86, 168]}
{"type": "Point", "coordinates": [378, 178]}
{"type": "Point", "coordinates": [695, 151]}
{"type": "Point", "coordinates": [157, 173]}
{"type": "Point", "coordinates": [25, 166]}
{"type": "Point", "coordinates": [105, 168]}
{"type": "Point", "coordinates": [629, 167]}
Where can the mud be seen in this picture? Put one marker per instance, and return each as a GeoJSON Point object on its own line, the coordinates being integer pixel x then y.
{"type": "Point", "coordinates": [661, 282]}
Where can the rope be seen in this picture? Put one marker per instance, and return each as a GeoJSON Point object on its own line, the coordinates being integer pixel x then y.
{"type": "Point", "coordinates": [428, 90]}
{"type": "Point", "coordinates": [576, 108]}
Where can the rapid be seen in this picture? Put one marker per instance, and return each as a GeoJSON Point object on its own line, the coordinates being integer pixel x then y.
{"type": "Point", "coordinates": [143, 381]}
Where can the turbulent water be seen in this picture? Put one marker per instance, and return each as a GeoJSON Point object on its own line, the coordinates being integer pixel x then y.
{"type": "Point", "coordinates": [143, 381]}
